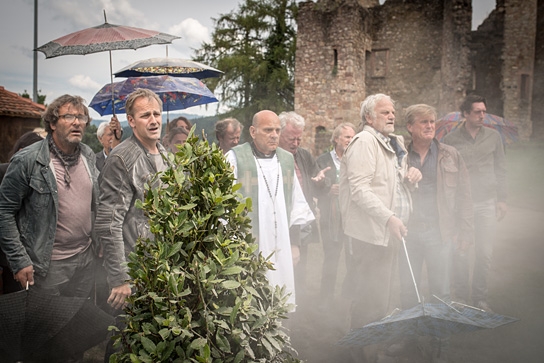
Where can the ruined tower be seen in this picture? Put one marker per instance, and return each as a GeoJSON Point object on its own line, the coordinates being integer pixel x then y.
{"type": "Point", "coordinates": [347, 49]}
{"type": "Point", "coordinates": [332, 39]}
{"type": "Point", "coordinates": [417, 51]}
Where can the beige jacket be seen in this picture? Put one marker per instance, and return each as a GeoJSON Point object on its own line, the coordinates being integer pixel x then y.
{"type": "Point", "coordinates": [367, 186]}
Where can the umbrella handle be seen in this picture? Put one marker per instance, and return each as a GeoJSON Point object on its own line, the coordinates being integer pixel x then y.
{"type": "Point", "coordinates": [111, 79]}
{"type": "Point", "coordinates": [411, 271]}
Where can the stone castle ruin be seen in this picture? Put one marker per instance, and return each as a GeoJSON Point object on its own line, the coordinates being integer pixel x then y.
{"type": "Point", "coordinates": [417, 51]}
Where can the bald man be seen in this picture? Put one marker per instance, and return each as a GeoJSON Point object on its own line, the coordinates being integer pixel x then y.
{"type": "Point", "coordinates": [267, 174]}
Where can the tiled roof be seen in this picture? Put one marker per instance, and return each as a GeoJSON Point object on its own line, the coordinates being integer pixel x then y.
{"type": "Point", "coordinates": [11, 104]}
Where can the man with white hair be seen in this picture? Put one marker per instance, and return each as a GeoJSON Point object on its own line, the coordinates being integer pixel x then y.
{"type": "Point", "coordinates": [375, 206]}
{"type": "Point", "coordinates": [311, 180]}
{"type": "Point", "coordinates": [107, 134]}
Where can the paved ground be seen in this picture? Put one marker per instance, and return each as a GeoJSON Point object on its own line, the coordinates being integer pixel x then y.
{"type": "Point", "coordinates": [516, 289]}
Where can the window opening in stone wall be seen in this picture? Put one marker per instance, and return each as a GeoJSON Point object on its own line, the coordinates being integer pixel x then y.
{"type": "Point", "coordinates": [335, 64]}
{"type": "Point", "coordinates": [524, 87]}
{"type": "Point", "coordinates": [322, 140]}
{"type": "Point", "coordinates": [379, 63]}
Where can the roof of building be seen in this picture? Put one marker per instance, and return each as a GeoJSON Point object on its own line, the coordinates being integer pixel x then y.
{"type": "Point", "coordinates": [11, 104]}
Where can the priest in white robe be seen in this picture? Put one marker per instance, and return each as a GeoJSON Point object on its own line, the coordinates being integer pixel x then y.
{"type": "Point", "coordinates": [267, 174]}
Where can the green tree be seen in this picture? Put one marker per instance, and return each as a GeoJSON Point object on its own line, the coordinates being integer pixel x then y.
{"type": "Point", "coordinates": [41, 98]}
{"type": "Point", "coordinates": [255, 47]}
{"type": "Point", "coordinates": [201, 292]}
{"type": "Point", "coordinates": [90, 139]}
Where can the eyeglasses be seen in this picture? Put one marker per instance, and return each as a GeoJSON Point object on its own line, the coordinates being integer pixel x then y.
{"type": "Point", "coordinates": [71, 118]}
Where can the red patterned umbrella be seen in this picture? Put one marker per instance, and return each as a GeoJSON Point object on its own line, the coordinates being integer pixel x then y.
{"type": "Point", "coordinates": [105, 37]}
{"type": "Point", "coordinates": [452, 121]}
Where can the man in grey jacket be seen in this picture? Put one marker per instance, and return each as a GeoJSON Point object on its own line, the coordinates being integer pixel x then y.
{"type": "Point", "coordinates": [47, 201]}
{"type": "Point", "coordinates": [127, 169]}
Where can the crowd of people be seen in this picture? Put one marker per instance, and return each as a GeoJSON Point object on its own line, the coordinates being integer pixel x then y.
{"type": "Point", "coordinates": [68, 216]}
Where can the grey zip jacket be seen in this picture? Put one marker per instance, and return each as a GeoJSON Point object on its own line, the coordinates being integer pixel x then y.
{"type": "Point", "coordinates": [119, 223]}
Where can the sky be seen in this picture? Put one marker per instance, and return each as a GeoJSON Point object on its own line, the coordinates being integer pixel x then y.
{"type": "Point", "coordinates": [85, 75]}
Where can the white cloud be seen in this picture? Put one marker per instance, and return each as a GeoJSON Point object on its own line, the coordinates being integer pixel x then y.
{"type": "Point", "coordinates": [85, 83]}
{"type": "Point", "coordinates": [192, 32]}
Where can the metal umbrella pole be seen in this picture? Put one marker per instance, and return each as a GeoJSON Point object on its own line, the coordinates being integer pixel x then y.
{"type": "Point", "coordinates": [411, 270]}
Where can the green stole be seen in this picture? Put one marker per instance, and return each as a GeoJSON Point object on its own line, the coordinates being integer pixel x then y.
{"type": "Point", "coordinates": [248, 177]}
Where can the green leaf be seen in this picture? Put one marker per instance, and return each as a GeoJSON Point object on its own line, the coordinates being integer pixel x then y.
{"type": "Point", "coordinates": [148, 345]}
{"type": "Point", "coordinates": [230, 284]}
{"type": "Point", "coordinates": [164, 333]}
{"type": "Point", "coordinates": [233, 270]}
{"type": "Point", "coordinates": [198, 343]}
{"type": "Point", "coordinates": [222, 342]}
{"type": "Point", "coordinates": [268, 347]}
{"type": "Point", "coordinates": [188, 206]}
{"type": "Point", "coordinates": [273, 341]}
{"type": "Point", "coordinates": [239, 356]}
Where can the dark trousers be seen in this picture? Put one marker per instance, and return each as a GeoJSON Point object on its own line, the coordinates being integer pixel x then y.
{"type": "Point", "coordinates": [425, 247]}
{"type": "Point", "coordinates": [372, 272]}
{"type": "Point", "coordinates": [73, 276]}
{"type": "Point", "coordinates": [332, 250]}
{"type": "Point", "coordinates": [485, 233]}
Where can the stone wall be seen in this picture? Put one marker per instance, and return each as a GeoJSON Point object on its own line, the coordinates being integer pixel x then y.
{"type": "Point", "coordinates": [487, 44]}
{"type": "Point", "coordinates": [519, 56]}
{"type": "Point", "coordinates": [330, 61]}
{"type": "Point", "coordinates": [411, 35]}
{"type": "Point", "coordinates": [456, 69]}
{"type": "Point", "coordinates": [417, 51]}
{"type": "Point", "coordinates": [537, 115]}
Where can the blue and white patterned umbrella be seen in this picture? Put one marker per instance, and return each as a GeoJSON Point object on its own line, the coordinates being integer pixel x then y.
{"type": "Point", "coordinates": [176, 93]}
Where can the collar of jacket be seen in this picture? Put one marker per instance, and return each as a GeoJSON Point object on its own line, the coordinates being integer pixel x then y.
{"type": "Point", "coordinates": [159, 145]}
{"type": "Point", "coordinates": [380, 137]}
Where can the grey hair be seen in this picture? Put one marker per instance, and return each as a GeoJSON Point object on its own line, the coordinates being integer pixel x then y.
{"type": "Point", "coordinates": [221, 126]}
{"type": "Point", "coordinates": [101, 129]}
{"type": "Point", "coordinates": [368, 106]}
{"type": "Point", "coordinates": [293, 118]}
{"type": "Point", "coordinates": [338, 129]}
{"type": "Point", "coordinates": [415, 110]}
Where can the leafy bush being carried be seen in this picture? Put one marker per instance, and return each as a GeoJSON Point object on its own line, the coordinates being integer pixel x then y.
{"type": "Point", "coordinates": [201, 294]}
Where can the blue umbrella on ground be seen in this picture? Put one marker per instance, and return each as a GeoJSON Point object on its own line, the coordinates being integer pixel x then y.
{"type": "Point", "coordinates": [438, 320]}
{"type": "Point", "coordinates": [176, 93]}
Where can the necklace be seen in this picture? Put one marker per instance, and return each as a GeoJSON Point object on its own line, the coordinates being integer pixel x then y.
{"type": "Point", "coordinates": [272, 198]}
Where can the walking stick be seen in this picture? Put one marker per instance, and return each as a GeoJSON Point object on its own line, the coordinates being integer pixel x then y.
{"type": "Point", "coordinates": [411, 271]}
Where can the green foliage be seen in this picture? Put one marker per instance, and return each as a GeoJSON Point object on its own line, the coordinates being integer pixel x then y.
{"type": "Point", "coordinates": [41, 98]}
{"type": "Point", "coordinates": [255, 47]}
{"type": "Point", "coordinates": [201, 294]}
{"type": "Point", "coordinates": [90, 139]}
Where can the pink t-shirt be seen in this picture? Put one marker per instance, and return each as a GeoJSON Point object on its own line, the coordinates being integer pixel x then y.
{"type": "Point", "coordinates": [73, 233]}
